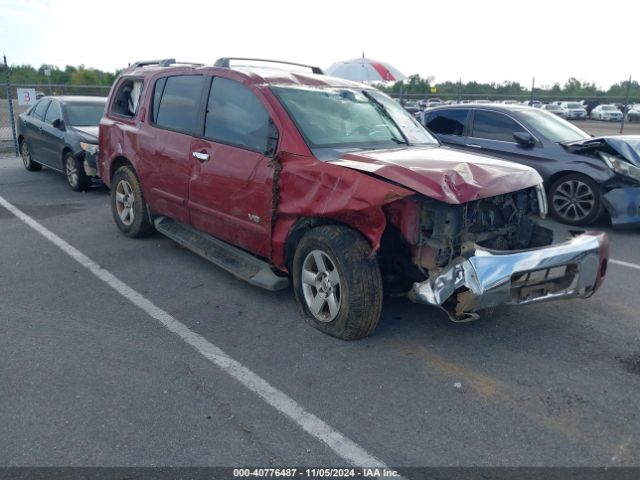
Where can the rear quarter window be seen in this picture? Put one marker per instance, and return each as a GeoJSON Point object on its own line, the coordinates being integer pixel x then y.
{"type": "Point", "coordinates": [126, 101]}
{"type": "Point", "coordinates": [447, 122]}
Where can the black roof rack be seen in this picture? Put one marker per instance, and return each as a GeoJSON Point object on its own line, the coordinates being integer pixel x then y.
{"type": "Point", "coordinates": [165, 62]}
{"type": "Point", "coordinates": [224, 63]}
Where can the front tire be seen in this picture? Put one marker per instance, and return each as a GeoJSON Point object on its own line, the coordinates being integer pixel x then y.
{"type": "Point", "coordinates": [336, 282]}
{"type": "Point", "coordinates": [127, 204]}
{"type": "Point", "coordinates": [27, 161]}
{"type": "Point", "coordinates": [74, 171]}
{"type": "Point", "coordinates": [575, 199]}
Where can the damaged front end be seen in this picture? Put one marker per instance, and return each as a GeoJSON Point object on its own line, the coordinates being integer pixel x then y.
{"type": "Point", "coordinates": [490, 252]}
{"type": "Point", "coordinates": [621, 194]}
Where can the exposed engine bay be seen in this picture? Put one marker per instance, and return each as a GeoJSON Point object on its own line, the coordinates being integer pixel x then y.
{"type": "Point", "coordinates": [432, 233]}
{"type": "Point", "coordinates": [484, 253]}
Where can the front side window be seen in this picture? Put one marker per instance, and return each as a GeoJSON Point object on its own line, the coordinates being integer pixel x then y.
{"type": "Point", "coordinates": [53, 113]}
{"type": "Point", "coordinates": [494, 126]}
{"type": "Point", "coordinates": [235, 116]}
{"type": "Point", "coordinates": [448, 122]}
{"type": "Point", "coordinates": [40, 109]}
{"type": "Point", "coordinates": [180, 103]}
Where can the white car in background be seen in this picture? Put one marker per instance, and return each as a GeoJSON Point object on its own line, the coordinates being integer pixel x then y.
{"type": "Point", "coordinates": [633, 115]}
{"type": "Point", "coordinates": [606, 112]}
{"type": "Point", "coordinates": [555, 109]}
{"type": "Point", "coordinates": [574, 111]}
{"type": "Point", "coordinates": [534, 103]}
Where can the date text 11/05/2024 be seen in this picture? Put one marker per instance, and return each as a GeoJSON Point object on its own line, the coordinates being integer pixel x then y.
{"type": "Point", "coordinates": [315, 472]}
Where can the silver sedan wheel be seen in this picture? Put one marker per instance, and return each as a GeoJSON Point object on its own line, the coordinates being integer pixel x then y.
{"type": "Point", "coordinates": [574, 200]}
{"type": "Point", "coordinates": [321, 286]}
{"type": "Point", "coordinates": [26, 154]}
{"type": "Point", "coordinates": [71, 170]}
{"type": "Point", "coordinates": [125, 202]}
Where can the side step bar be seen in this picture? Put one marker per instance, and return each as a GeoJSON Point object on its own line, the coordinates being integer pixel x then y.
{"type": "Point", "coordinates": [234, 260]}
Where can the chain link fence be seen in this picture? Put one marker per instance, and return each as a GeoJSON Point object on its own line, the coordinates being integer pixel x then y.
{"type": "Point", "coordinates": [11, 104]}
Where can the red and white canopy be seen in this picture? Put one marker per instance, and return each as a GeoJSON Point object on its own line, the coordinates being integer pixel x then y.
{"type": "Point", "coordinates": [365, 70]}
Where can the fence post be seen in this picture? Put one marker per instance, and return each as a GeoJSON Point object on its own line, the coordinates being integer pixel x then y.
{"type": "Point", "coordinates": [13, 120]}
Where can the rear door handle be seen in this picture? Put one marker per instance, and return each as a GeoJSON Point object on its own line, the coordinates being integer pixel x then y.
{"type": "Point", "coordinates": [203, 157]}
{"type": "Point", "coordinates": [473, 145]}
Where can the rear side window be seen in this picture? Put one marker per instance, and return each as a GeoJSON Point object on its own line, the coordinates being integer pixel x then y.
{"type": "Point", "coordinates": [235, 116]}
{"type": "Point", "coordinates": [179, 103]}
{"type": "Point", "coordinates": [448, 122]}
{"type": "Point", "coordinates": [494, 126]}
{"type": "Point", "coordinates": [127, 99]}
{"type": "Point", "coordinates": [40, 109]}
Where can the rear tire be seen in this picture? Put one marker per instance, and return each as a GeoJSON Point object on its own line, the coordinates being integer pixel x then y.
{"type": "Point", "coordinates": [27, 161]}
{"type": "Point", "coordinates": [575, 199]}
{"type": "Point", "coordinates": [74, 171]}
{"type": "Point", "coordinates": [127, 204]}
{"type": "Point", "coordinates": [336, 282]}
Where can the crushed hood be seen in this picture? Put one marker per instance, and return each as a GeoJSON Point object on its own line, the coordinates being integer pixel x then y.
{"type": "Point", "coordinates": [443, 174]}
{"type": "Point", "coordinates": [92, 131]}
{"type": "Point", "coordinates": [626, 146]}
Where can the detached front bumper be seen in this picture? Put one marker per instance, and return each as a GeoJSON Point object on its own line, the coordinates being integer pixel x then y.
{"type": "Point", "coordinates": [623, 205]}
{"type": "Point", "coordinates": [486, 278]}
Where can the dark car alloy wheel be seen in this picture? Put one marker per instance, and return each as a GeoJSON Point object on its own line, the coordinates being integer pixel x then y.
{"type": "Point", "coordinates": [71, 171]}
{"type": "Point", "coordinates": [575, 200]}
{"type": "Point", "coordinates": [27, 160]}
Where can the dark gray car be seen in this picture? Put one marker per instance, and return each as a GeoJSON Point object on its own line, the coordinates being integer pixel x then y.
{"type": "Point", "coordinates": [62, 133]}
{"type": "Point", "coordinates": [584, 176]}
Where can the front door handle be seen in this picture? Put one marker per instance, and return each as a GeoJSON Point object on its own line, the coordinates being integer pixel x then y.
{"type": "Point", "coordinates": [203, 157]}
{"type": "Point", "coordinates": [474, 145]}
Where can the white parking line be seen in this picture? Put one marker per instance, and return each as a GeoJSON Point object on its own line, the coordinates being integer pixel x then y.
{"type": "Point", "coordinates": [625, 264]}
{"type": "Point", "coordinates": [336, 441]}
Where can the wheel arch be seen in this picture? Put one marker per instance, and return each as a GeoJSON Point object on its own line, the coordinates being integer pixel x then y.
{"type": "Point", "coordinates": [118, 162]}
{"type": "Point", "coordinates": [300, 227]}
{"type": "Point", "coordinates": [563, 173]}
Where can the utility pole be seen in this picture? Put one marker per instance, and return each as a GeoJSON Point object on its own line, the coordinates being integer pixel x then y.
{"type": "Point", "coordinates": [533, 83]}
{"type": "Point", "coordinates": [459, 88]}
{"type": "Point", "coordinates": [626, 105]}
{"type": "Point", "coordinates": [13, 120]}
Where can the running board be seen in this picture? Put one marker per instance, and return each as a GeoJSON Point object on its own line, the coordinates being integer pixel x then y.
{"type": "Point", "coordinates": [234, 260]}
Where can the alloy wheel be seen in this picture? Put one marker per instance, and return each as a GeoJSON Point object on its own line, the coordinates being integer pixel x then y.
{"type": "Point", "coordinates": [71, 170]}
{"type": "Point", "coordinates": [573, 200]}
{"type": "Point", "coordinates": [321, 286]}
{"type": "Point", "coordinates": [125, 202]}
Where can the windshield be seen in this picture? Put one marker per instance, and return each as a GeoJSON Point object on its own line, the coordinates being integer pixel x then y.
{"type": "Point", "coordinates": [609, 108]}
{"type": "Point", "coordinates": [350, 117]}
{"type": "Point", "coordinates": [552, 107]}
{"type": "Point", "coordinates": [552, 127]}
{"type": "Point", "coordinates": [574, 105]}
{"type": "Point", "coordinates": [85, 114]}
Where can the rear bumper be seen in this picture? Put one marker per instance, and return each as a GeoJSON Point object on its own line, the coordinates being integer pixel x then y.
{"type": "Point", "coordinates": [487, 278]}
{"type": "Point", "coordinates": [623, 205]}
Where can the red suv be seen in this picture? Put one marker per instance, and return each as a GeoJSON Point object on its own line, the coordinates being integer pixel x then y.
{"type": "Point", "coordinates": [277, 174]}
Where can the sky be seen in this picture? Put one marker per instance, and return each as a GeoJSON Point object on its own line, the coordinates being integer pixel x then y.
{"type": "Point", "coordinates": [482, 40]}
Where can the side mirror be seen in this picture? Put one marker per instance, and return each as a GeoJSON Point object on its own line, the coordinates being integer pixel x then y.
{"type": "Point", "coordinates": [525, 139]}
{"type": "Point", "coordinates": [58, 123]}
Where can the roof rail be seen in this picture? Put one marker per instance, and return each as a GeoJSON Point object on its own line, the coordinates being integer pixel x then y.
{"type": "Point", "coordinates": [165, 62]}
{"type": "Point", "coordinates": [224, 63]}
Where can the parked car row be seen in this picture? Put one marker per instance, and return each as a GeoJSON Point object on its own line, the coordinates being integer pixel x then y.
{"type": "Point", "coordinates": [279, 177]}
{"type": "Point", "coordinates": [566, 109]}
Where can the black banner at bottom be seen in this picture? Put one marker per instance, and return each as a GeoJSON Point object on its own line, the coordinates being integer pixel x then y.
{"type": "Point", "coordinates": [303, 473]}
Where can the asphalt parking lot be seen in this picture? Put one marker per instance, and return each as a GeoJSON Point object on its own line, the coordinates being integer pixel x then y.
{"type": "Point", "coordinates": [87, 378]}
